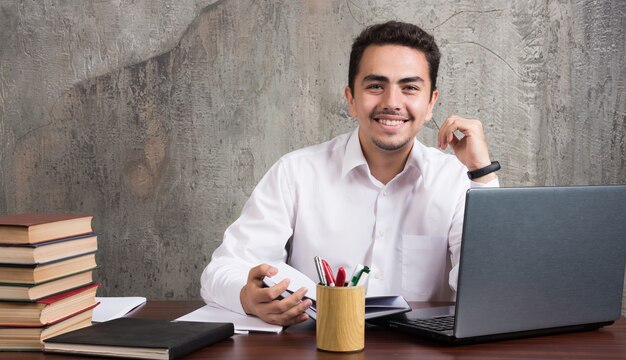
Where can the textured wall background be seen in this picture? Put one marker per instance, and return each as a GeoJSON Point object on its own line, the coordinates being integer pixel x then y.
{"type": "Point", "coordinates": [159, 117]}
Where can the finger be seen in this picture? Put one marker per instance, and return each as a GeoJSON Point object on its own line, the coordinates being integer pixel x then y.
{"type": "Point", "coordinates": [446, 131]}
{"type": "Point", "coordinates": [278, 289]}
{"type": "Point", "coordinates": [454, 141]}
{"type": "Point", "coordinates": [258, 272]}
{"type": "Point", "coordinates": [469, 127]}
{"type": "Point", "coordinates": [454, 123]}
{"type": "Point", "coordinates": [450, 137]}
{"type": "Point", "coordinates": [296, 313]}
{"type": "Point", "coordinates": [291, 301]}
{"type": "Point", "coordinates": [296, 319]}
{"type": "Point", "coordinates": [284, 319]}
{"type": "Point", "coordinates": [266, 295]}
{"type": "Point", "coordinates": [447, 137]}
{"type": "Point", "coordinates": [292, 315]}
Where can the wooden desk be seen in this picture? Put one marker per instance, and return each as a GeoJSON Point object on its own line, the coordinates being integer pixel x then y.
{"type": "Point", "coordinates": [298, 342]}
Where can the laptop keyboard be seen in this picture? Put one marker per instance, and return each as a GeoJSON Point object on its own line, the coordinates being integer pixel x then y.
{"type": "Point", "coordinates": [437, 324]}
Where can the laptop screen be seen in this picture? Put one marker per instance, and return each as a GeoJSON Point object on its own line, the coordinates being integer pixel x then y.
{"type": "Point", "coordinates": [540, 257]}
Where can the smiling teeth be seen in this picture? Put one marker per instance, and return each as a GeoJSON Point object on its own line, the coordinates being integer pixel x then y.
{"type": "Point", "coordinates": [390, 122]}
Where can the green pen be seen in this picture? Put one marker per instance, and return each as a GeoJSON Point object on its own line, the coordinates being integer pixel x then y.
{"type": "Point", "coordinates": [355, 275]}
{"type": "Point", "coordinates": [365, 273]}
{"type": "Point", "coordinates": [358, 270]}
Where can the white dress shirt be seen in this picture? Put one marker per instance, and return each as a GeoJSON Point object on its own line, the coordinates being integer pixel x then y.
{"type": "Point", "coordinates": [324, 201]}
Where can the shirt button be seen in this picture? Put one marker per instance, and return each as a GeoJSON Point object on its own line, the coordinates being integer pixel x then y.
{"type": "Point", "coordinates": [381, 233]}
{"type": "Point", "coordinates": [378, 275]}
{"type": "Point", "coordinates": [385, 193]}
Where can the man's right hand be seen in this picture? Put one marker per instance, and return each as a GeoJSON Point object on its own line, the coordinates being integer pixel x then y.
{"type": "Point", "coordinates": [263, 303]}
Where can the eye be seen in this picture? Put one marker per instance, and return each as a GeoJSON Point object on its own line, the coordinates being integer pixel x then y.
{"type": "Point", "coordinates": [375, 86]}
{"type": "Point", "coordinates": [411, 88]}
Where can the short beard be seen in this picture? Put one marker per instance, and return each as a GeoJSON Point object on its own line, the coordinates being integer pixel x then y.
{"type": "Point", "coordinates": [390, 147]}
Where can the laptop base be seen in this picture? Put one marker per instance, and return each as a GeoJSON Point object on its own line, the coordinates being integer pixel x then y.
{"type": "Point", "coordinates": [398, 323]}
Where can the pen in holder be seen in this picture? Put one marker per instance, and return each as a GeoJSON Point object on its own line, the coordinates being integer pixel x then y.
{"type": "Point", "coordinates": [340, 324]}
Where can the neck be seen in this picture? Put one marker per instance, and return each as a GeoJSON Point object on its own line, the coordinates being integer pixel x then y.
{"type": "Point", "coordinates": [385, 165]}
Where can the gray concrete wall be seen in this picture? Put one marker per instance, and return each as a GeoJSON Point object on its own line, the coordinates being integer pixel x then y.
{"type": "Point", "coordinates": [159, 117]}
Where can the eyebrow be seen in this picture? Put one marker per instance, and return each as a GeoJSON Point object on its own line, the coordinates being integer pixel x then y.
{"type": "Point", "coordinates": [382, 78]}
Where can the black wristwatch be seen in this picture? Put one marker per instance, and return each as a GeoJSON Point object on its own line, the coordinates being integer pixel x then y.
{"type": "Point", "coordinates": [494, 166]}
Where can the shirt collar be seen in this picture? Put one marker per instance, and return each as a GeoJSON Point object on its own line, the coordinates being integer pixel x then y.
{"type": "Point", "coordinates": [354, 157]}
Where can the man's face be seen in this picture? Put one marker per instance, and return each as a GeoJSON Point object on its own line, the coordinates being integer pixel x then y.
{"type": "Point", "coordinates": [391, 98]}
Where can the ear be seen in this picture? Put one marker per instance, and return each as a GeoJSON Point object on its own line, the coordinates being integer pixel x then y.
{"type": "Point", "coordinates": [431, 104]}
{"type": "Point", "coordinates": [347, 93]}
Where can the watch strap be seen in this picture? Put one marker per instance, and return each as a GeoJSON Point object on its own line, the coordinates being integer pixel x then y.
{"type": "Point", "coordinates": [475, 174]}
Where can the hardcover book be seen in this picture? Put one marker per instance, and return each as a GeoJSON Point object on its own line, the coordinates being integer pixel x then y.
{"type": "Point", "coordinates": [36, 228]}
{"type": "Point", "coordinates": [19, 292]}
{"type": "Point", "coordinates": [35, 274]}
{"type": "Point", "coordinates": [16, 338]}
{"type": "Point", "coordinates": [140, 338]}
{"type": "Point", "coordinates": [48, 310]}
{"type": "Point", "coordinates": [48, 251]}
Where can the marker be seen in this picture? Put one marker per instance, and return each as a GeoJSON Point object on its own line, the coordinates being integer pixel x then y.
{"type": "Point", "coordinates": [329, 273]}
{"type": "Point", "coordinates": [320, 270]}
{"type": "Point", "coordinates": [341, 277]}
{"type": "Point", "coordinates": [356, 274]}
{"type": "Point", "coordinates": [365, 273]}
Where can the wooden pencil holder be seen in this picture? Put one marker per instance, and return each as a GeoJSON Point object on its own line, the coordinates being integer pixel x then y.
{"type": "Point", "coordinates": [340, 324]}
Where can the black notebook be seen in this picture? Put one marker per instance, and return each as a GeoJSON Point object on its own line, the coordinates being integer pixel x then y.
{"type": "Point", "coordinates": [140, 338]}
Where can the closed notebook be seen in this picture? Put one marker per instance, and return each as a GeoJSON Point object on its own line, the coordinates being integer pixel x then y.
{"type": "Point", "coordinates": [140, 338]}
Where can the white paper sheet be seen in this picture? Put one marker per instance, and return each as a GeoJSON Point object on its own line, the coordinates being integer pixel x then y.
{"type": "Point", "coordinates": [115, 307]}
{"type": "Point", "coordinates": [297, 279]}
{"type": "Point", "coordinates": [242, 323]}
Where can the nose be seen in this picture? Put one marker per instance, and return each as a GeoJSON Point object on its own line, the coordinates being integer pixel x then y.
{"type": "Point", "coordinates": [391, 99]}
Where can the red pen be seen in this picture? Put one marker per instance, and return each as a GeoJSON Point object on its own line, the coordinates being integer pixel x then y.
{"type": "Point", "coordinates": [341, 276]}
{"type": "Point", "coordinates": [329, 273]}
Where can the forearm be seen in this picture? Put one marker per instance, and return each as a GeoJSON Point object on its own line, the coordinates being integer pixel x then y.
{"type": "Point", "coordinates": [221, 283]}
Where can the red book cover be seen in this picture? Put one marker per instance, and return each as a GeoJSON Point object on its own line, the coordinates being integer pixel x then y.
{"type": "Point", "coordinates": [75, 306]}
{"type": "Point", "coordinates": [54, 298]}
{"type": "Point", "coordinates": [52, 322]}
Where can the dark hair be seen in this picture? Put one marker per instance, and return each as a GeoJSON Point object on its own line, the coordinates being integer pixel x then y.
{"type": "Point", "coordinates": [395, 33]}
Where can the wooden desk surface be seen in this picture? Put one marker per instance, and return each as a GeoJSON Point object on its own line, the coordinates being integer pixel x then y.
{"type": "Point", "coordinates": [298, 342]}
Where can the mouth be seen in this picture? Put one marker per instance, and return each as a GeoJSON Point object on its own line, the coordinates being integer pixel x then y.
{"type": "Point", "coordinates": [391, 120]}
{"type": "Point", "coordinates": [388, 122]}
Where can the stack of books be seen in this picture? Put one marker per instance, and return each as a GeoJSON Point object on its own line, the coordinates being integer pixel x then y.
{"type": "Point", "coordinates": [46, 282]}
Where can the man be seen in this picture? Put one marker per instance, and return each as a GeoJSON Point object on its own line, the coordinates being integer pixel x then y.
{"type": "Point", "coordinates": [375, 196]}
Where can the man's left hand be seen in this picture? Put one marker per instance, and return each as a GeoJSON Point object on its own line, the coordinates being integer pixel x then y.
{"type": "Point", "coordinates": [472, 150]}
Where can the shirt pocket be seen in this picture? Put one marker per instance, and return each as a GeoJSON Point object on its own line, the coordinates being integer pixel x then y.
{"type": "Point", "coordinates": [424, 260]}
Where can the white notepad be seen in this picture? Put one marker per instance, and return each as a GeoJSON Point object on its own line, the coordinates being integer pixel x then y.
{"type": "Point", "coordinates": [115, 307]}
{"type": "Point", "coordinates": [243, 323]}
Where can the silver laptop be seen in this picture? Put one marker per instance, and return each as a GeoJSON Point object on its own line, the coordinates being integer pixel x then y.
{"type": "Point", "coordinates": [534, 261]}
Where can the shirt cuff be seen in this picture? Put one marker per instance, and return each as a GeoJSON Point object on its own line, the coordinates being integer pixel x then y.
{"type": "Point", "coordinates": [493, 183]}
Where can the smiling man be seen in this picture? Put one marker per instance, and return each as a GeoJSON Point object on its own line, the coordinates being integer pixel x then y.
{"type": "Point", "coordinates": [374, 196]}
